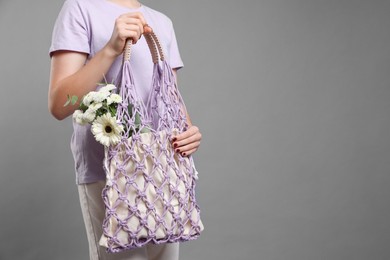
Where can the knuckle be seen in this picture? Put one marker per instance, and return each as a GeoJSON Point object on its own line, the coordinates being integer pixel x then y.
{"type": "Point", "coordinates": [119, 19]}
{"type": "Point", "coordinates": [123, 33]}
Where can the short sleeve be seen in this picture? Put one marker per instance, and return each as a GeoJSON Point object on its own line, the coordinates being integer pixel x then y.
{"type": "Point", "coordinates": [70, 30]}
{"type": "Point", "coordinates": [174, 54]}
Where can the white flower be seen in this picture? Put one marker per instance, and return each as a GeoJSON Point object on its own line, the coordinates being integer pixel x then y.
{"type": "Point", "coordinates": [106, 130]}
{"type": "Point", "coordinates": [90, 113]}
{"type": "Point", "coordinates": [100, 96]}
{"type": "Point", "coordinates": [96, 97]}
{"type": "Point", "coordinates": [87, 100]}
{"type": "Point", "coordinates": [114, 98]}
{"type": "Point", "coordinates": [78, 117]}
{"type": "Point", "coordinates": [107, 88]}
{"type": "Point", "coordinates": [95, 106]}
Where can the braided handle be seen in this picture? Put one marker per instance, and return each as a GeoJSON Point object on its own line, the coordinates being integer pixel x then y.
{"type": "Point", "coordinates": [154, 46]}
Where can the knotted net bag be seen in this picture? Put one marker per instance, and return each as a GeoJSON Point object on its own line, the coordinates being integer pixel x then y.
{"type": "Point", "coordinates": [149, 194]}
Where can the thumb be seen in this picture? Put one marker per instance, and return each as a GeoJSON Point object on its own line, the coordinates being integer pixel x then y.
{"type": "Point", "coordinates": [147, 29]}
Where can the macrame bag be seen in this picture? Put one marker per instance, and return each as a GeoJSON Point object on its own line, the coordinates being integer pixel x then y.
{"type": "Point", "coordinates": [149, 194]}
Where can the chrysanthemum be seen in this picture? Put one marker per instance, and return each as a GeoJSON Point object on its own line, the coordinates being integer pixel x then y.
{"type": "Point", "coordinates": [79, 118]}
{"type": "Point", "coordinates": [107, 88]}
{"type": "Point", "coordinates": [114, 98]}
{"type": "Point", "coordinates": [87, 100]}
{"type": "Point", "coordinates": [106, 130]}
{"type": "Point", "coordinates": [98, 97]}
{"type": "Point", "coordinates": [95, 106]}
{"type": "Point", "coordinates": [95, 97]}
{"type": "Point", "coordinates": [90, 113]}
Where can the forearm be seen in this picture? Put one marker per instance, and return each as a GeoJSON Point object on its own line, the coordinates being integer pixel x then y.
{"type": "Point", "coordinates": [78, 83]}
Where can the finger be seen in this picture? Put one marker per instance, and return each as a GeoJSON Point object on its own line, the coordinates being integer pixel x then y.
{"type": "Point", "coordinates": [133, 18]}
{"type": "Point", "coordinates": [133, 27]}
{"type": "Point", "coordinates": [137, 15]}
{"type": "Point", "coordinates": [191, 131]}
{"type": "Point", "coordinates": [189, 152]}
{"type": "Point", "coordinates": [130, 35]}
{"type": "Point", "coordinates": [147, 29]}
{"type": "Point", "coordinates": [134, 24]}
{"type": "Point", "coordinates": [133, 32]}
{"type": "Point", "coordinates": [188, 147]}
{"type": "Point", "coordinates": [134, 21]}
{"type": "Point", "coordinates": [194, 138]}
{"type": "Point", "coordinates": [130, 18]}
{"type": "Point", "coordinates": [123, 24]}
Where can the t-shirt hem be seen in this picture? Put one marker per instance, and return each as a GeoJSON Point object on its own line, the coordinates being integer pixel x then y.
{"type": "Point", "coordinates": [177, 66]}
{"type": "Point", "coordinates": [67, 48]}
{"type": "Point", "coordinates": [88, 179]}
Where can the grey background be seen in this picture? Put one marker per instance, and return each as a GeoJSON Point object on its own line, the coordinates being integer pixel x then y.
{"type": "Point", "coordinates": [292, 97]}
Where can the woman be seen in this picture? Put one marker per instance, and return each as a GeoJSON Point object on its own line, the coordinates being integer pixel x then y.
{"type": "Point", "coordinates": [88, 40]}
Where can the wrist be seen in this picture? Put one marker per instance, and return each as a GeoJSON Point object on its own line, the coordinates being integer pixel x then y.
{"type": "Point", "coordinates": [109, 52]}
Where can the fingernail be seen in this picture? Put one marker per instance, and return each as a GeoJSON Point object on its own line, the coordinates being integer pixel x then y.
{"type": "Point", "coordinates": [174, 139]}
{"type": "Point", "coordinates": [178, 150]}
{"type": "Point", "coordinates": [184, 154]}
{"type": "Point", "coordinates": [174, 145]}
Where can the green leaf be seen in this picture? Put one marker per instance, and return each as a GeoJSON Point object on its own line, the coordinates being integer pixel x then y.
{"type": "Point", "coordinates": [73, 100]}
{"type": "Point", "coordinates": [137, 119]}
{"type": "Point", "coordinates": [145, 130]}
{"type": "Point", "coordinates": [67, 103]}
{"type": "Point", "coordinates": [83, 107]}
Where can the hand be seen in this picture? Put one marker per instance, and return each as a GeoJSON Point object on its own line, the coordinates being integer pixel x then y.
{"type": "Point", "coordinates": [187, 142]}
{"type": "Point", "coordinates": [129, 25]}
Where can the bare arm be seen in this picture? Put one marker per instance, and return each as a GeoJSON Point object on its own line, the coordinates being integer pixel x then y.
{"type": "Point", "coordinates": [71, 75]}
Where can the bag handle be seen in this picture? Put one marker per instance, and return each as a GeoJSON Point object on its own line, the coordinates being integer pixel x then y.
{"type": "Point", "coordinates": [154, 46]}
{"type": "Point", "coordinates": [127, 90]}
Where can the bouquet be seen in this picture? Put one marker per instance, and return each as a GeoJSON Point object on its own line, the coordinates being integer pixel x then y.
{"type": "Point", "coordinates": [99, 108]}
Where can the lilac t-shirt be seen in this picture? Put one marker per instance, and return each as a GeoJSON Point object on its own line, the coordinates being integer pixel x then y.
{"type": "Point", "coordinates": [86, 26]}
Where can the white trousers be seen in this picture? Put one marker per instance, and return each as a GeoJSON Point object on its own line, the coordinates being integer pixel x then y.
{"type": "Point", "coordinates": [92, 207]}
